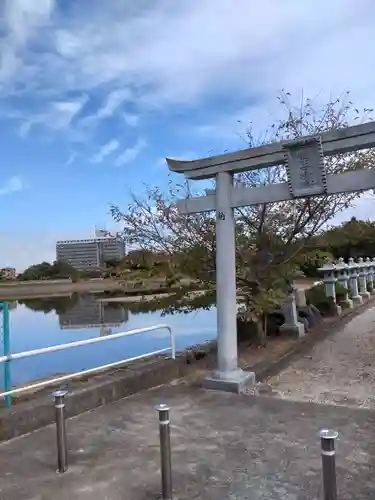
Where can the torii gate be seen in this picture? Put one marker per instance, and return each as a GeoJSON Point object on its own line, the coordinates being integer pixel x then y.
{"type": "Point", "coordinates": [306, 177]}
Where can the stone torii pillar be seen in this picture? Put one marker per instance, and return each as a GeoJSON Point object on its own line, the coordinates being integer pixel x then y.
{"type": "Point", "coordinates": [306, 178]}
{"type": "Point", "coordinates": [228, 371]}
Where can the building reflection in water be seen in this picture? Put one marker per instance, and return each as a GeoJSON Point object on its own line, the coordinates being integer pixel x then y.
{"type": "Point", "coordinates": [89, 312]}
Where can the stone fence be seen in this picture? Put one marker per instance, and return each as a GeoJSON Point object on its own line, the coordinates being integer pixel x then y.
{"type": "Point", "coordinates": [355, 278]}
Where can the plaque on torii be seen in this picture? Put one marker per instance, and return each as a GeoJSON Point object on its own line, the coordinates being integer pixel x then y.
{"type": "Point", "coordinates": [306, 177]}
{"type": "Point", "coordinates": [305, 167]}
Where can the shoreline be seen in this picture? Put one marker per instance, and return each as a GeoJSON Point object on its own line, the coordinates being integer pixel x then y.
{"type": "Point", "coordinates": [26, 289]}
{"type": "Point", "coordinates": [29, 289]}
{"type": "Point", "coordinates": [56, 288]}
{"type": "Point", "coordinates": [150, 297]}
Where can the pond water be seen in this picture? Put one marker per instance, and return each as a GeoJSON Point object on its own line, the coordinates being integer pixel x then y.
{"type": "Point", "coordinates": [37, 323]}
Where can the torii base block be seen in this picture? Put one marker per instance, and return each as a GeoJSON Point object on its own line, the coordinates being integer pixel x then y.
{"type": "Point", "coordinates": [237, 382]}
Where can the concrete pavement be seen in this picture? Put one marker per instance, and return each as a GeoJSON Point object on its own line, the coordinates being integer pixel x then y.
{"type": "Point", "coordinates": [261, 445]}
{"type": "Point", "coordinates": [224, 446]}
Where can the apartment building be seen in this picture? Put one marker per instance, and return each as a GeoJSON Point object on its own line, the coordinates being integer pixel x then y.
{"type": "Point", "coordinates": [91, 253]}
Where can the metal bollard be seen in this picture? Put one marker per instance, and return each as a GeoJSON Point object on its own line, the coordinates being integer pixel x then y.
{"type": "Point", "coordinates": [62, 451]}
{"type": "Point", "coordinates": [165, 451]}
{"type": "Point", "coordinates": [327, 438]}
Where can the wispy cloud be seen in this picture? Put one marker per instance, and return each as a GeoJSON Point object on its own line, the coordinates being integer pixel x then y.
{"type": "Point", "coordinates": [130, 154]}
{"type": "Point", "coordinates": [131, 119]}
{"type": "Point", "coordinates": [22, 21]}
{"type": "Point", "coordinates": [71, 159]}
{"type": "Point", "coordinates": [59, 115]}
{"type": "Point", "coordinates": [114, 100]}
{"type": "Point", "coordinates": [255, 48]}
{"type": "Point", "coordinates": [123, 51]}
{"type": "Point", "coordinates": [108, 148]}
{"type": "Point", "coordinates": [108, 109]}
{"type": "Point", "coordinates": [230, 130]}
{"type": "Point", "coordinates": [12, 185]}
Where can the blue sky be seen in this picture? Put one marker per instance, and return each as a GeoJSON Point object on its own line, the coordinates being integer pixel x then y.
{"type": "Point", "coordinates": [94, 94]}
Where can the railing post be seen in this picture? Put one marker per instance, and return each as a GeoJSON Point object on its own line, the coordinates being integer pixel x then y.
{"type": "Point", "coordinates": [62, 450]}
{"type": "Point", "coordinates": [173, 344]}
{"type": "Point", "coordinates": [327, 438]}
{"type": "Point", "coordinates": [6, 344]}
{"type": "Point", "coordinates": [165, 451]}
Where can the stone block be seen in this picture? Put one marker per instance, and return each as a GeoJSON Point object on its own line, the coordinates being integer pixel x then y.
{"type": "Point", "coordinates": [296, 329]}
{"type": "Point", "coordinates": [235, 383]}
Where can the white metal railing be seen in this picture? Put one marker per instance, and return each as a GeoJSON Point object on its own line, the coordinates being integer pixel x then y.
{"type": "Point", "coordinates": [79, 343]}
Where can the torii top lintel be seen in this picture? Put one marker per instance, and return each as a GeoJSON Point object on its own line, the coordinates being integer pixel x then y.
{"type": "Point", "coordinates": [333, 142]}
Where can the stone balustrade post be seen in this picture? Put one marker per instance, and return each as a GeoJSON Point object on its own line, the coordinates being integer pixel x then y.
{"type": "Point", "coordinates": [328, 270]}
{"type": "Point", "coordinates": [353, 281]}
{"type": "Point", "coordinates": [308, 313]}
{"type": "Point", "coordinates": [362, 279]}
{"type": "Point", "coordinates": [291, 324]}
{"type": "Point", "coordinates": [300, 296]}
{"type": "Point", "coordinates": [343, 278]}
{"type": "Point", "coordinates": [370, 275]}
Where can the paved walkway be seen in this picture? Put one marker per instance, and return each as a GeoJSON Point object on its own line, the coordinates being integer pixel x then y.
{"type": "Point", "coordinates": [224, 446]}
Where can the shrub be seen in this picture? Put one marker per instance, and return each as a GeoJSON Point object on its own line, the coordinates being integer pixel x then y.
{"type": "Point", "coordinates": [340, 292]}
{"type": "Point", "coordinates": [317, 297]}
{"type": "Point", "coordinates": [311, 261]}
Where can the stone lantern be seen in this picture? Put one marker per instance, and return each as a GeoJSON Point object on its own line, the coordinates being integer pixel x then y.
{"type": "Point", "coordinates": [353, 281]}
{"type": "Point", "coordinates": [328, 270]}
{"type": "Point", "coordinates": [362, 279]}
{"type": "Point", "coordinates": [370, 273]}
{"type": "Point", "coordinates": [343, 278]}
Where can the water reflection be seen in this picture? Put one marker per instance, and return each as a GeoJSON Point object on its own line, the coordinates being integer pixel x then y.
{"type": "Point", "coordinates": [58, 304]}
{"type": "Point", "coordinates": [89, 312]}
{"type": "Point", "coordinates": [43, 322]}
{"type": "Point", "coordinates": [77, 312]}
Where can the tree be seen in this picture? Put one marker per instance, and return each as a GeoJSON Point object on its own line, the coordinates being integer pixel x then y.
{"type": "Point", "coordinates": [59, 305]}
{"type": "Point", "coordinates": [270, 237]}
{"type": "Point", "coordinates": [45, 270]}
{"type": "Point", "coordinates": [298, 220]}
{"type": "Point", "coordinates": [353, 238]}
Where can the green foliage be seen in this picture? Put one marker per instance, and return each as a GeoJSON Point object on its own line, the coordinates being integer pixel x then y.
{"type": "Point", "coordinates": [178, 302]}
{"type": "Point", "coordinates": [89, 274]}
{"type": "Point", "coordinates": [45, 271]}
{"type": "Point", "coordinates": [263, 281]}
{"type": "Point", "coordinates": [310, 261]}
{"type": "Point", "coordinates": [58, 304]}
{"type": "Point", "coordinates": [354, 238]}
{"type": "Point", "coordinates": [317, 297]}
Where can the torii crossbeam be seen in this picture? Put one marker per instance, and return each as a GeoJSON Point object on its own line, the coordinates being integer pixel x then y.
{"type": "Point", "coordinates": [304, 159]}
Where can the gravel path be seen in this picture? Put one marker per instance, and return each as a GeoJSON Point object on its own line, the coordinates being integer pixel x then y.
{"type": "Point", "coordinates": [339, 370]}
